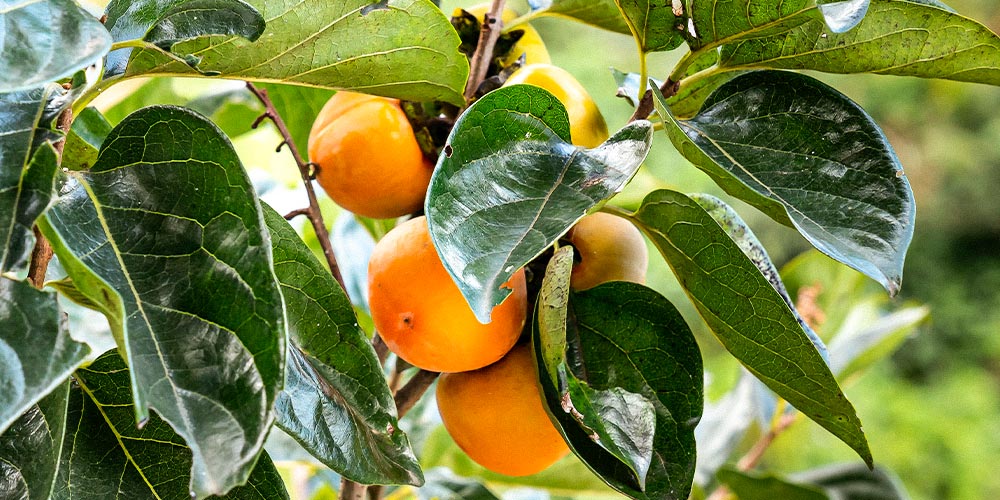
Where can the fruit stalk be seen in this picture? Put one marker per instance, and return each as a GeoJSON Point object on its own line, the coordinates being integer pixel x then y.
{"type": "Point", "coordinates": [645, 107]}
{"type": "Point", "coordinates": [313, 212]}
{"type": "Point", "coordinates": [492, 25]}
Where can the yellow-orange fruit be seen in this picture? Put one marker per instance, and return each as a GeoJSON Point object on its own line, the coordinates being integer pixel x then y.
{"type": "Point", "coordinates": [530, 44]}
{"type": "Point", "coordinates": [587, 125]}
{"type": "Point", "coordinates": [609, 248]}
{"type": "Point", "coordinates": [496, 416]}
{"type": "Point", "coordinates": [369, 160]}
{"type": "Point", "coordinates": [421, 314]}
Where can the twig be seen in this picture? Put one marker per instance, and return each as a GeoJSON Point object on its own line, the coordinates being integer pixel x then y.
{"type": "Point", "coordinates": [645, 107]}
{"type": "Point", "coordinates": [488, 34]}
{"type": "Point", "coordinates": [753, 457]}
{"type": "Point", "coordinates": [408, 395]}
{"type": "Point", "coordinates": [349, 490]}
{"type": "Point", "coordinates": [41, 254]}
{"type": "Point", "coordinates": [381, 350]}
{"type": "Point", "coordinates": [305, 169]}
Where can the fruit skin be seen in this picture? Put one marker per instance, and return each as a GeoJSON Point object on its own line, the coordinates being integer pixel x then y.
{"type": "Point", "coordinates": [369, 160]}
{"type": "Point", "coordinates": [497, 417]}
{"type": "Point", "coordinates": [609, 248]}
{"type": "Point", "coordinates": [530, 44]}
{"type": "Point", "coordinates": [421, 314]}
{"type": "Point", "coordinates": [587, 125]}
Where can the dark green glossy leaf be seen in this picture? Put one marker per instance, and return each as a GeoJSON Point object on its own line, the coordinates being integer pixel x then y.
{"type": "Point", "coordinates": [621, 459]}
{"type": "Point", "coordinates": [509, 184]}
{"type": "Point", "coordinates": [652, 23]}
{"type": "Point", "coordinates": [196, 308]}
{"type": "Point", "coordinates": [407, 49]}
{"type": "Point", "coordinates": [715, 22]}
{"type": "Point", "coordinates": [298, 107]}
{"type": "Point", "coordinates": [631, 337]}
{"type": "Point", "coordinates": [733, 224]}
{"type": "Point", "coordinates": [746, 313]}
{"type": "Point", "coordinates": [443, 484]}
{"type": "Point", "coordinates": [84, 140]}
{"type": "Point", "coordinates": [335, 402]}
{"type": "Point", "coordinates": [896, 37]}
{"type": "Point", "coordinates": [45, 40]}
{"type": "Point", "coordinates": [601, 13]}
{"type": "Point", "coordinates": [165, 22]}
{"type": "Point", "coordinates": [30, 448]}
{"type": "Point", "coordinates": [804, 153]}
{"type": "Point", "coordinates": [855, 482]}
{"type": "Point", "coordinates": [753, 486]}
{"type": "Point", "coordinates": [28, 166]}
{"type": "Point", "coordinates": [195, 18]}
{"type": "Point", "coordinates": [106, 456]}
{"type": "Point", "coordinates": [695, 88]}
{"type": "Point", "coordinates": [36, 351]}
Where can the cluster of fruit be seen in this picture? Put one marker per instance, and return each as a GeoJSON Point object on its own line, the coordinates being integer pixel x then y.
{"type": "Point", "coordinates": [371, 162]}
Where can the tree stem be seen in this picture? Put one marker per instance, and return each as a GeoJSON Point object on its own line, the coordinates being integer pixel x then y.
{"type": "Point", "coordinates": [488, 34]}
{"type": "Point", "coordinates": [645, 107]}
{"type": "Point", "coordinates": [41, 254]}
{"type": "Point", "coordinates": [408, 395]}
{"type": "Point", "coordinates": [313, 212]}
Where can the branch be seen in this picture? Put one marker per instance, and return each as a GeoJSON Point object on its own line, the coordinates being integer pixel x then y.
{"type": "Point", "coordinates": [41, 254]}
{"type": "Point", "coordinates": [645, 107]}
{"type": "Point", "coordinates": [410, 393]}
{"type": "Point", "coordinates": [488, 34]}
{"type": "Point", "coordinates": [753, 457]}
{"type": "Point", "coordinates": [313, 212]}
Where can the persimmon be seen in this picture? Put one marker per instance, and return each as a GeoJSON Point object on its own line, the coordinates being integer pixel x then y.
{"type": "Point", "coordinates": [587, 125]}
{"type": "Point", "coordinates": [530, 45]}
{"type": "Point", "coordinates": [496, 415]}
{"type": "Point", "coordinates": [609, 248]}
{"type": "Point", "coordinates": [421, 314]}
{"type": "Point", "coordinates": [368, 158]}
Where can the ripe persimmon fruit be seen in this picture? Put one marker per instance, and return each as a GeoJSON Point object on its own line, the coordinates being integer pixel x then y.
{"type": "Point", "coordinates": [421, 314]}
{"type": "Point", "coordinates": [369, 161]}
{"type": "Point", "coordinates": [496, 415]}
{"type": "Point", "coordinates": [608, 248]}
{"type": "Point", "coordinates": [586, 123]}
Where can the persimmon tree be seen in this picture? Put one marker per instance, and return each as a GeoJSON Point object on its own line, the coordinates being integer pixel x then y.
{"type": "Point", "coordinates": [225, 324]}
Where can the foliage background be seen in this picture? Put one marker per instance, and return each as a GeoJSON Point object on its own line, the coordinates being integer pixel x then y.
{"type": "Point", "coordinates": [932, 411]}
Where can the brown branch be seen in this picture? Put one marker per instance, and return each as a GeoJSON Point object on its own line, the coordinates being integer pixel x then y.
{"type": "Point", "coordinates": [408, 395]}
{"type": "Point", "coordinates": [753, 457]}
{"type": "Point", "coordinates": [645, 107]}
{"type": "Point", "coordinates": [41, 254]}
{"type": "Point", "coordinates": [381, 350]}
{"type": "Point", "coordinates": [349, 490]}
{"type": "Point", "coordinates": [488, 34]}
{"type": "Point", "coordinates": [306, 171]}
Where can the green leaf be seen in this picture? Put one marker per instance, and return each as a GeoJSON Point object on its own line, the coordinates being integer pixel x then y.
{"type": "Point", "coordinates": [165, 22]}
{"type": "Point", "coordinates": [600, 13]}
{"type": "Point", "coordinates": [842, 15]}
{"type": "Point", "coordinates": [896, 37]}
{"type": "Point", "coordinates": [632, 349]}
{"type": "Point", "coordinates": [196, 308]}
{"type": "Point", "coordinates": [652, 23]}
{"type": "Point", "coordinates": [621, 459]}
{"type": "Point", "coordinates": [443, 484]}
{"type": "Point", "coordinates": [30, 448]}
{"type": "Point", "coordinates": [869, 339]}
{"type": "Point", "coordinates": [746, 313]}
{"type": "Point", "coordinates": [106, 456]}
{"type": "Point", "coordinates": [233, 110]}
{"type": "Point", "coordinates": [753, 486]}
{"type": "Point", "coordinates": [36, 351]}
{"type": "Point", "coordinates": [84, 140]}
{"type": "Point", "coordinates": [633, 338]}
{"type": "Point", "coordinates": [509, 184]}
{"type": "Point", "coordinates": [794, 147]}
{"type": "Point", "coordinates": [743, 236]}
{"type": "Point", "coordinates": [407, 49]}
{"type": "Point", "coordinates": [28, 165]}
{"type": "Point", "coordinates": [298, 106]}
{"type": "Point", "coordinates": [854, 482]}
{"type": "Point", "coordinates": [335, 402]}
{"type": "Point", "coordinates": [716, 22]}
{"type": "Point", "coordinates": [46, 40]}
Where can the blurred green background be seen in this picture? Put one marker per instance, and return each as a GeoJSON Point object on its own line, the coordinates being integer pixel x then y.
{"type": "Point", "coordinates": [932, 410]}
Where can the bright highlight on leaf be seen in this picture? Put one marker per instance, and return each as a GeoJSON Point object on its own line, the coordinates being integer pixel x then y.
{"type": "Point", "coordinates": [509, 184]}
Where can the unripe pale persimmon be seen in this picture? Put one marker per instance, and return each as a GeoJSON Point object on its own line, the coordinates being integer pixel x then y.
{"type": "Point", "coordinates": [421, 314]}
{"type": "Point", "coordinates": [587, 125]}
{"type": "Point", "coordinates": [530, 44]}
{"type": "Point", "coordinates": [369, 160]}
{"type": "Point", "coordinates": [497, 417]}
{"type": "Point", "coordinates": [609, 248]}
